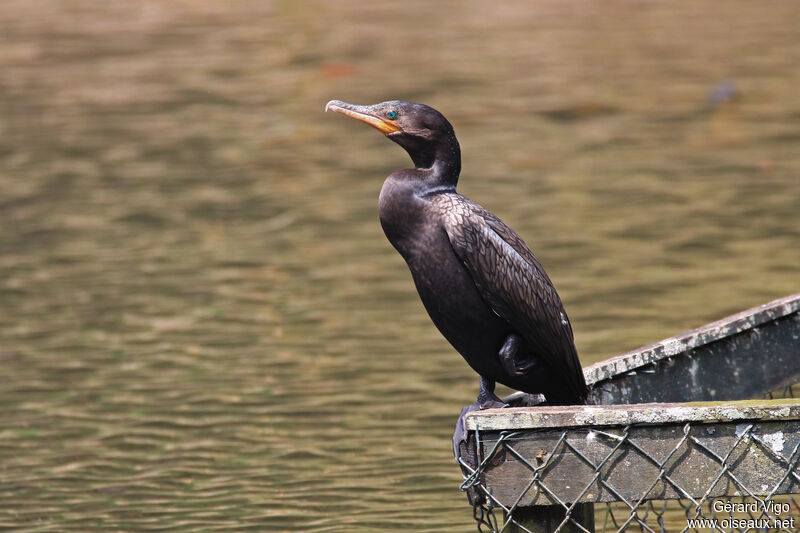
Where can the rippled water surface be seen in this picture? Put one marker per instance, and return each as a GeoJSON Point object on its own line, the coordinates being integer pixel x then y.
{"type": "Point", "coordinates": [202, 326]}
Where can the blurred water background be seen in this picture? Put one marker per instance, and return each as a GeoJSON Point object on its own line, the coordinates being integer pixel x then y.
{"type": "Point", "coordinates": [202, 326]}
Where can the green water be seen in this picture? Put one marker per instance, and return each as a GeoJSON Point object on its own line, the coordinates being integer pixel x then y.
{"type": "Point", "coordinates": [202, 326]}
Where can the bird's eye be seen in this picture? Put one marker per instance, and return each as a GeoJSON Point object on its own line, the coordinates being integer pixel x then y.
{"type": "Point", "coordinates": [391, 115]}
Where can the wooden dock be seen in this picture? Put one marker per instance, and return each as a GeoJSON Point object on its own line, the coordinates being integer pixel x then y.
{"type": "Point", "coordinates": [546, 467]}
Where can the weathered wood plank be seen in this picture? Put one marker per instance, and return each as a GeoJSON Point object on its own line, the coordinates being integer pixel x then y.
{"type": "Point", "coordinates": [720, 330]}
{"type": "Point", "coordinates": [566, 416]}
{"type": "Point", "coordinates": [605, 459]}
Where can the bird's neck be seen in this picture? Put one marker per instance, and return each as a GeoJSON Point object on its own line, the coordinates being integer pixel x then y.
{"type": "Point", "coordinates": [439, 163]}
{"type": "Point", "coordinates": [446, 165]}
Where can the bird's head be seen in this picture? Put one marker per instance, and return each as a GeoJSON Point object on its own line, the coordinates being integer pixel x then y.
{"type": "Point", "coordinates": [424, 132]}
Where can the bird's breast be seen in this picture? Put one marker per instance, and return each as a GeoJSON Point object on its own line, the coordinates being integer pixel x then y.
{"type": "Point", "coordinates": [402, 215]}
{"type": "Point", "coordinates": [448, 292]}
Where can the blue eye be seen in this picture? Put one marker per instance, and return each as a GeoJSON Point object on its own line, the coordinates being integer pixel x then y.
{"type": "Point", "coordinates": [391, 115]}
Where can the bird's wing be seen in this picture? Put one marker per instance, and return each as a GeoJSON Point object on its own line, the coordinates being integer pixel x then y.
{"type": "Point", "coordinates": [513, 283]}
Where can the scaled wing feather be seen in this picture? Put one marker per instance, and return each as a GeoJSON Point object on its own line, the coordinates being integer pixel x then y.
{"type": "Point", "coordinates": [513, 283]}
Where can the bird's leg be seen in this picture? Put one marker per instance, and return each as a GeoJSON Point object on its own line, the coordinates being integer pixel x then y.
{"type": "Point", "coordinates": [510, 359]}
{"type": "Point", "coordinates": [486, 396]}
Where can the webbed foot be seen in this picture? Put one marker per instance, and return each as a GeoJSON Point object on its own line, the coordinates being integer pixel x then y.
{"type": "Point", "coordinates": [460, 446]}
{"type": "Point", "coordinates": [464, 447]}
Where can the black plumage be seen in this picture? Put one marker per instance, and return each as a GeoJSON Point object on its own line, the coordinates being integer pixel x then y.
{"type": "Point", "coordinates": [513, 284]}
{"type": "Point", "coordinates": [481, 285]}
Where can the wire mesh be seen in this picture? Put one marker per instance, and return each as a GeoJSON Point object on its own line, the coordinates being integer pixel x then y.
{"type": "Point", "coordinates": [727, 494]}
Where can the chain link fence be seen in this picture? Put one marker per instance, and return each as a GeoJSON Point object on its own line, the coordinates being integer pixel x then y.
{"type": "Point", "coordinates": [715, 466]}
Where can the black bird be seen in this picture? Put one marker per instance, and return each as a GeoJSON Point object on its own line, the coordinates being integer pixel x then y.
{"type": "Point", "coordinates": [481, 285]}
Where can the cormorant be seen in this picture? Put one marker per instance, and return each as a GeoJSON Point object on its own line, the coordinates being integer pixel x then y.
{"type": "Point", "coordinates": [481, 285]}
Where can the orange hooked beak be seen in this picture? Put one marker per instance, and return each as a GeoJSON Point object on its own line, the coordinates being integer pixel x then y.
{"type": "Point", "coordinates": [366, 114]}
